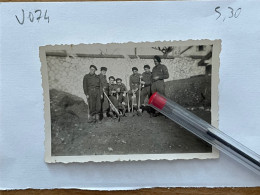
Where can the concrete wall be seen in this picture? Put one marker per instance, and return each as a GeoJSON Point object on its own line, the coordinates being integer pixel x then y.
{"type": "Point", "coordinates": [67, 73]}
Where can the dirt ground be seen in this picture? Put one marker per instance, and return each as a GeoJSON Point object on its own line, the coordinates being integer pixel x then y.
{"type": "Point", "coordinates": [72, 135]}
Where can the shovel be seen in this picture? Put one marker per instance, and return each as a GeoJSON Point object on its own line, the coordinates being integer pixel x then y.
{"type": "Point", "coordinates": [88, 110]}
{"type": "Point", "coordinates": [113, 107]}
{"type": "Point", "coordinates": [139, 110]}
{"type": "Point", "coordinates": [128, 106]}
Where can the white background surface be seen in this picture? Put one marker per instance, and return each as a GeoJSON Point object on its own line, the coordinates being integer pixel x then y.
{"type": "Point", "coordinates": [21, 101]}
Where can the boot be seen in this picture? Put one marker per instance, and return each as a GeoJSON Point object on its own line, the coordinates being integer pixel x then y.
{"type": "Point", "coordinates": [156, 114]}
{"type": "Point", "coordinates": [123, 112]}
{"type": "Point", "coordinates": [98, 119]}
{"type": "Point", "coordinates": [91, 119]}
{"type": "Point", "coordinates": [111, 114]}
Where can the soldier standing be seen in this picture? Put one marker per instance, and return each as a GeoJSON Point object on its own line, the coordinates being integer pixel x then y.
{"type": "Point", "coordinates": [159, 73]}
{"type": "Point", "coordinates": [93, 91]}
{"type": "Point", "coordinates": [134, 84]}
{"type": "Point", "coordinates": [146, 82]}
{"type": "Point", "coordinates": [104, 101]}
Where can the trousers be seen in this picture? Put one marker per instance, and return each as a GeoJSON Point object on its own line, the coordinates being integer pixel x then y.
{"type": "Point", "coordinates": [158, 86]}
{"type": "Point", "coordinates": [94, 101]}
{"type": "Point", "coordinates": [130, 94]}
{"type": "Point", "coordinates": [146, 91]}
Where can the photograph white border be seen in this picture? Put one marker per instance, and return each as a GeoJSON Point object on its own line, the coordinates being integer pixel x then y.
{"type": "Point", "coordinates": [130, 157]}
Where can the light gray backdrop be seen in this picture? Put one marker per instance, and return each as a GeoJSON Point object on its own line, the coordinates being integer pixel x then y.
{"type": "Point", "coordinates": [21, 101]}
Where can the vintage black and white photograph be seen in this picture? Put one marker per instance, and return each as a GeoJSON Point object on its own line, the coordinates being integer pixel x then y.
{"type": "Point", "coordinates": [96, 99]}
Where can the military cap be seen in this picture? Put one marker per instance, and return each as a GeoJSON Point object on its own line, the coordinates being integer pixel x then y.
{"type": "Point", "coordinates": [93, 66]}
{"type": "Point", "coordinates": [118, 79]}
{"type": "Point", "coordinates": [103, 68]}
{"type": "Point", "coordinates": [111, 77]}
{"type": "Point", "coordinates": [157, 58]}
{"type": "Point", "coordinates": [134, 68]}
{"type": "Point", "coordinates": [146, 66]}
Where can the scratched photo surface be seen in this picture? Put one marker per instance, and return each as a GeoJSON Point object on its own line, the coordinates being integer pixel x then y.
{"type": "Point", "coordinates": [96, 99]}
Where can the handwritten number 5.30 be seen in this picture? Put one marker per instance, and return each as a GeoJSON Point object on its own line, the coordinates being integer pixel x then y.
{"type": "Point", "coordinates": [233, 13]}
{"type": "Point", "coordinates": [32, 16]}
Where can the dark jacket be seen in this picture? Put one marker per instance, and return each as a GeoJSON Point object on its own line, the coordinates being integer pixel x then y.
{"type": "Point", "coordinates": [111, 88]}
{"type": "Point", "coordinates": [161, 71]}
{"type": "Point", "coordinates": [91, 82]}
{"type": "Point", "coordinates": [147, 78]}
{"type": "Point", "coordinates": [103, 80]}
{"type": "Point", "coordinates": [134, 81]}
{"type": "Point", "coordinates": [122, 87]}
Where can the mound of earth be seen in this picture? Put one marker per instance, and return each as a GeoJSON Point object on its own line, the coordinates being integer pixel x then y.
{"type": "Point", "coordinates": [67, 111]}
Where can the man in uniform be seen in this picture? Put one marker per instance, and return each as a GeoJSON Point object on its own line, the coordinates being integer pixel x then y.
{"type": "Point", "coordinates": [93, 91]}
{"type": "Point", "coordinates": [121, 93]}
{"type": "Point", "coordinates": [112, 93]}
{"type": "Point", "coordinates": [146, 82]}
{"type": "Point", "coordinates": [159, 73]}
{"type": "Point", "coordinates": [134, 84]}
{"type": "Point", "coordinates": [104, 101]}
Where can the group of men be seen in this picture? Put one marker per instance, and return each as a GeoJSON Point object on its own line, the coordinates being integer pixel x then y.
{"type": "Point", "coordinates": [112, 98]}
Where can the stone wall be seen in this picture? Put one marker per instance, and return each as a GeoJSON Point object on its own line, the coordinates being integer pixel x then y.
{"type": "Point", "coordinates": [67, 73]}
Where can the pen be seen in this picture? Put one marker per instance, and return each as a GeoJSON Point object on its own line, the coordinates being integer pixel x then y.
{"type": "Point", "coordinates": [206, 131]}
